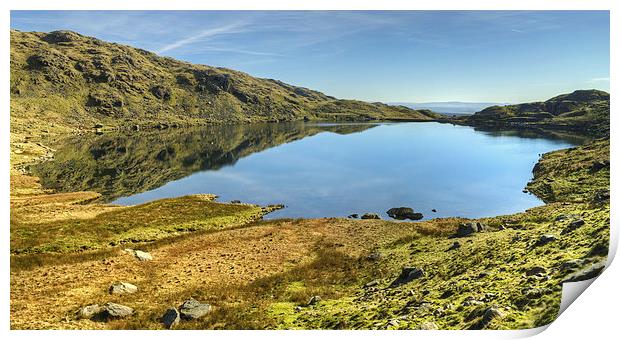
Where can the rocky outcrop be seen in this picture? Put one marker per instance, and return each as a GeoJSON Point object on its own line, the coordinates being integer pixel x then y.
{"type": "Point", "coordinates": [370, 216]}
{"type": "Point", "coordinates": [403, 213]}
{"type": "Point", "coordinates": [407, 274]}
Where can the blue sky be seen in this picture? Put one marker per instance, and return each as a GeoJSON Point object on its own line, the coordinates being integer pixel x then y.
{"type": "Point", "coordinates": [389, 56]}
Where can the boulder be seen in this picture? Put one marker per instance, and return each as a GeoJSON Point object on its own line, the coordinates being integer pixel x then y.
{"type": "Point", "coordinates": [407, 274]}
{"type": "Point", "coordinates": [171, 318]}
{"type": "Point", "coordinates": [587, 273]}
{"type": "Point", "coordinates": [123, 288]}
{"type": "Point", "coordinates": [140, 255]}
{"type": "Point", "coordinates": [370, 216]}
{"type": "Point", "coordinates": [88, 312]}
{"type": "Point", "coordinates": [544, 239]}
{"type": "Point", "coordinates": [468, 228]}
{"type": "Point", "coordinates": [353, 216]}
{"type": "Point", "coordinates": [115, 311]}
{"type": "Point", "coordinates": [192, 309]}
{"type": "Point", "coordinates": [404, 213]}
{"type": "Point", "coordinates": [161, 92]}
{"type": "Point", "coordinates": [573, 225]}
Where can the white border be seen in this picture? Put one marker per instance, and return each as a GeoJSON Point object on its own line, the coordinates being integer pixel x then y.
{"type": "Point", "coordinates": [591, 316]}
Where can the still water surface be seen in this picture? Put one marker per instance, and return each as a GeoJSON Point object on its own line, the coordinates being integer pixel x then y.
{"type": "Point", "coordinates": [316, 170]}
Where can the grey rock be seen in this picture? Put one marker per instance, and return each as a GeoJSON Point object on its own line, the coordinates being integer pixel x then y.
{"type": "Point", "coordinates": [353, 216]}
{"type": "Point", "coordinates": [407, 274]}
{"type": "Point", "coordinates": [403, 213]}
{"type": "Point", "coordinates": [490, 314]}
{"type": "Point", "coordinates": [114, 311]}
{"type": "Point", "coordinates": [123, 288]}
{"type": "Point", "coordinates": [587, 273]}
{"type": "Point", "coordinates": [192, 309]}
{"type": "Point", "coordinates": [87, 312]}
{"type": "Point", "coordinates": [468, 228]}
{"type": "Point", "coordinates": [371, 284]}
{"type": "Point", "coordinates": [142, 255]}
{"type": "Point", "coordinates": [564, 217]}
{"type": "Point", "coordinates": [370, 216]}
{"type": "Point", "coordinates": [171, 318]}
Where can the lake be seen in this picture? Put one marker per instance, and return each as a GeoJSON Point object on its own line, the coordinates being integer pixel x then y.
{"type": "Point", "coordinates": [315, 170]}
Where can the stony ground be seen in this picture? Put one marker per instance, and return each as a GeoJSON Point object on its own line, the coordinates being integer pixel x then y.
{"type": "Point", "coordinates": [319, 273]}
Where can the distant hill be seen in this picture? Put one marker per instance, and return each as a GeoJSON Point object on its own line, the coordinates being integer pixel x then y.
{"type": "Point", "coordinates": [450, 108]}
{"type": "Point", "coordinates": [582, 111]}
{"type": "Point", "coordinates": [64, 78]}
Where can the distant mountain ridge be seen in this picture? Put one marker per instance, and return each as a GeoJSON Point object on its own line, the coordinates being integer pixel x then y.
{"type": "Point", "coordinates": [73, 80]}
{"type": "Point", "coordinates": [449, 107]}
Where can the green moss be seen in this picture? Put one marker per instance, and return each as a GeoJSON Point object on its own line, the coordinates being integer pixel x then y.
{"type": "Point", "coordinates": [137, 224]}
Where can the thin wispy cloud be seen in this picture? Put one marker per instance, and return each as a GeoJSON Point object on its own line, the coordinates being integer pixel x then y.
{"type": "Point", "coordinates": [598, 80]}
{"type": "Point", "coordinates": [209, 33]}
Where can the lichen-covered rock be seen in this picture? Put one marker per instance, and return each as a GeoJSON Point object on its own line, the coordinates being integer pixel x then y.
{"type": "Point", "coordinates": [88, 312]}
{"type": "Point", "coordinates": [192, 309]}
{"type": "Point", "coordinates": [123, 288]}
{"type": "Point", "coordinates": [115, 311]}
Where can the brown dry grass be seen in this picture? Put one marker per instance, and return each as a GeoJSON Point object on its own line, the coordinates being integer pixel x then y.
{"type": "Point", "coordinates": [215, 267]}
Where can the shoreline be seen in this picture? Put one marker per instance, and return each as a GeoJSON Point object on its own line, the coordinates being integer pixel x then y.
{"type": "Point", "coordinates": [397, 236]}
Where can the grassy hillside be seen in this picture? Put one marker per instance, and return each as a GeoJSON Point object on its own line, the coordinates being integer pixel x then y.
{"type": "Point", "coordinates": [582, 111]}
{"type": "Point", "coordinates": [64, 79]}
